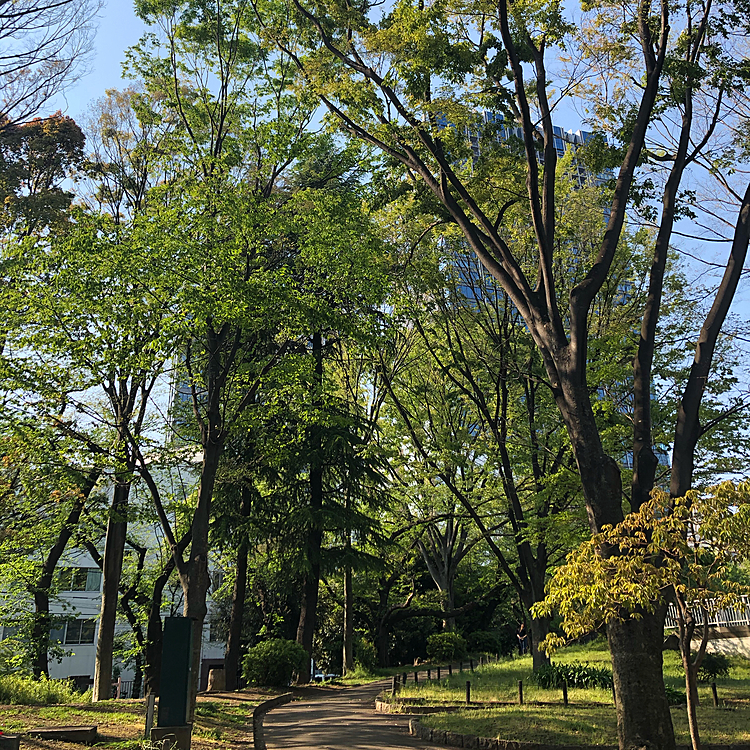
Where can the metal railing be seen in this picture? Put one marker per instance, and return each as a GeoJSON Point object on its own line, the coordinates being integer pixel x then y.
{"type": "Point", "coordinates": [123, 689]}
{"type": "Point", "coordinates": [738, 614]}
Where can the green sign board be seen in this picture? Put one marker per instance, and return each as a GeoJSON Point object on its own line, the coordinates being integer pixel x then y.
{"type": "Point", "coordinates": [176, 662]}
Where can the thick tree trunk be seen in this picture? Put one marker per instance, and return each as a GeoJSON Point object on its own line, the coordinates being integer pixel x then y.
{"type": "Point", "coordinates": [539, 631]}
{"type": "Point", "coordinates": [232, 656]}
{"type": "Point", "coordinates": [448, 604]}
{"type": "Point", "coordinates": [382, 644]}
{"type": "Point", "coordinates": [114, 549]}
{"type": "Point", "coordinates": [348, 659]}
{"type": "Point", "coordinates": [40, 634]}
{"type": "Point", "coordinates": [152, 669]}
{"type": "Point", "coordinates": [196, 582]}
{"type": "Point", "coordinates": [41, 589]}
{"type": "Point", "coordinates": [643, 717]}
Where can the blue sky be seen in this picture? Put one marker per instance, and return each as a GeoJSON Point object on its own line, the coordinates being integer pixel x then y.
{"type": "Point", "coordinates": [117, 29]}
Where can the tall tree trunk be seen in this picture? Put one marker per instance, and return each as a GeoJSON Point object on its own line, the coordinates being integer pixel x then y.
{"type": "Point", "coordinates": [348, 657]}
{"type": "Point", "coordinates": [40, 633]}
{"type": "Point", "coordinates": [152, 667]}
{"type": "Point", "coordinates": [643, 717]}
{"type": "Point", "coordinates": [114, 548]}
{"type": "Point", "coordinates": [382, 643]}
{"type": "Point", "coordinates": [539, 631]}
{"type": "Point", "coordinates": [195, 582]}
{"type": "Point", "coordinates": [41, 589]}
{"type": "Point", "coordinates": [138, 676]}
{"type": "Point", "coordinates": [636, 649]}
{"type": "Point", "coordinates": [308, 610]}
{"type": "Point", "coordinates": [232, 656]}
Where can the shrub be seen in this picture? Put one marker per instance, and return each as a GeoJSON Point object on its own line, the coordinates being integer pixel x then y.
{"type": "Point", "coordinates": [675, 697]}
{"type": "Point", "coordinates": [19, 689]}
{"type": "Point", "coordinates": [713, 666]}
{"type": "Point", "coordinates": [576, 675]}
{"type": "Point", "coordinates": [446, 647]}
{"type": "Point", "coordinates": [483, 641]}
{"type": "Point", "coordinates": [365, 657]}
{"type": "Point", "coordinates": [274, 662]}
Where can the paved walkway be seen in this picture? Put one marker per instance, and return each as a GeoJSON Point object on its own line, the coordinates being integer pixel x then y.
{"type": "Point", "coordinates": [343, 719]}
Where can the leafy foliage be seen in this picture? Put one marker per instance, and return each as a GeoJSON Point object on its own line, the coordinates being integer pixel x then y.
{"type": "Point", "coordinates": [446, 646]}
{"type": "Point", "coordinates": [274, 662]}
{"type": "Point", "coordinates": [18, 689]}
{"type": "Point", "coordinates": [713, 666]}
{"type": "Point", "coordinates": [573, 675]}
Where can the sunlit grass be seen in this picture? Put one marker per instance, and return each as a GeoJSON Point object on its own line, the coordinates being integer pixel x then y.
{"type": "Point", "coordinates": [573, 725]}
{"type": "Point", "coordinates": [590, 716]}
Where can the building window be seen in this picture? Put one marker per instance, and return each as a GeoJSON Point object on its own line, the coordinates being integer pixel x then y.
{"type": "Point", "coordinates": [216, 631]}
{"type": "Point", "coordinates": [9, 631]}
{"type": "Point", "coordinates": [76, 632]}
{"type": "Point", "coordinates": [80, 579]}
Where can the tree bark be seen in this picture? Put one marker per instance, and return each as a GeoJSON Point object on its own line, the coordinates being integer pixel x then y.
{"type": "Point", "coordinates": [636, 649]}
{"type": "Point", "coordinates": [232, 656]}
{"type": "Point", "coordinates": [41, 589]}
{"type": "Point", "coordinates": [152, 667]}
{"type": "Point", "coordinates": [311, 584]}
{"type": "Point", "coordinates": [195, 582]}
{"type": "Point", "coordinates": [348, 658]}
{"type": "Point", "coordinates": [117, 527]}
{"type": "Point", "coordinates": [539, 631]}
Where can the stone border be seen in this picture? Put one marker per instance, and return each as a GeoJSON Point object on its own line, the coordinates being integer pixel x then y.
{"type": "Point", "coordinates": [453, 739]}
{"type": "Point", "coordinates": [259, 742]}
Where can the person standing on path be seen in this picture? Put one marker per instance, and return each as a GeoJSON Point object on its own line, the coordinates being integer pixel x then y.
{"type": "Point", "coordinates": [523, 639]}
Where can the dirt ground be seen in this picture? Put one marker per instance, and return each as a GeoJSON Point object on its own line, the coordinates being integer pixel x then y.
{"type": "Point", "coordinates": [222, 720]}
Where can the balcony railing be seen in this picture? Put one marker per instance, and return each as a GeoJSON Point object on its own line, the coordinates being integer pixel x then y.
{"type": "Point", "coordinates": [739, 614]}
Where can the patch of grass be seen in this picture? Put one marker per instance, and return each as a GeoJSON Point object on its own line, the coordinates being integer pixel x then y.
{"type": "Point", "coordinates": [499, 682]}
{"type": "Point", "coordinates": [543, 724]}
{"type": "Point", "coordinates": [585, 725]}
{"type": "Point", "coordinates": [78, 714]}
{"type": "Point", "coordinates": [20, 690]}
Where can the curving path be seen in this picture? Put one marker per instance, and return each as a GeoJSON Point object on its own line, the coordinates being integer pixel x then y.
{"type": "Point", "coordinates": [344, 719]}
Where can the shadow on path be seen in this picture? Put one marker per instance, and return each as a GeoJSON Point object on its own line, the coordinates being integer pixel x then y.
{"type": "Point", "coordinates": [339, 720]}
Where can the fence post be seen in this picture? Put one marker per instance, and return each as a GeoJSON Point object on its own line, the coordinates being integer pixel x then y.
{"type": "Point", "coordinates": [150, 703]}
{"type": "Point", "coordinates": [565, 693]}
{"type": "Point", "coordinates": [416, 678]}
{"type": "Point", "coordinates": [468, 692]}
{"type": "Point", "coordinates": [715, 695]}
{"type": "Point", "coordinates": [438, 673]}
{"type": "Point", "coordinates": [429, 675]}
{"type": "Point", "coordinates": [450, 670]}
{"type": "Point", "coordinates": [471, 664]}
{"type": "Point", "coordinates": [403, 679]}
{"type": "Point", "coordinates": [460, 666]}
{"type": "Point", "coordinates": [520, 692]}
{"type": "Point", "coordinates": [394, 685]}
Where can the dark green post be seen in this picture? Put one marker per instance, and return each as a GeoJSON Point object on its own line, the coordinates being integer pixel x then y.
{"type": "Point", "coordinates": [176, 669]}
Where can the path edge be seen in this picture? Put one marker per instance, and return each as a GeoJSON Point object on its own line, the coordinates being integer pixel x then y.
{"type": "Point", "coordinates": [453, 739]}
{"type": "Point", "coordinates": [259, 713]}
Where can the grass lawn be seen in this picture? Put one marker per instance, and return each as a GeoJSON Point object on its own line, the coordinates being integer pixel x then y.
{"type": "Point", "coordinates": [590, 717]}
{"type": "Point", "coordinates": [223, 720]}
{"type": "Point", "coordinates": [574, 725]}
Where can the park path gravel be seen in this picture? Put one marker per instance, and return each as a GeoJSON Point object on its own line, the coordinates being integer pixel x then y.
{"type": "Point", "coordinates": [339, 719]}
